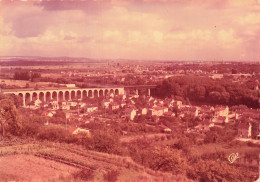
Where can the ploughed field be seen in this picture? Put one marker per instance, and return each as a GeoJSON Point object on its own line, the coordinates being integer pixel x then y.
{"type": "Point", "coordinates": [45, 161]}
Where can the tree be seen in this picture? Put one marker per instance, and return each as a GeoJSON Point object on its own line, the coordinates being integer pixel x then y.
{"type": "Point", "coordinates": [166, 159]}
{"type": "Point", "coordinates": [106, 141]}
{"type": "Point", "coordinates": [35, 76]}
{"type": "Point", "coordinates": [17, 100]}
{"type": "Point", "coordinates": [210, 170]}
{"type": "Point", "coordinates": [58, 117]}
{"type": "Point", "coordinates": [22, 75]}
{"type": "Point", "coordinates": [111, 176]}
{"type": "Point", "coordinates": [9, 118]}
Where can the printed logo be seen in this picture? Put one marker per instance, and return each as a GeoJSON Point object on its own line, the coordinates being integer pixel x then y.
{"type": "Point", "coordinates": [233, 157]}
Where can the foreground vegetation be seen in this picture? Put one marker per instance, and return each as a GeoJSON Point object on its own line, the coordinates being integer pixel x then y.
{"type": "Point", "coordinates": [171, 157]}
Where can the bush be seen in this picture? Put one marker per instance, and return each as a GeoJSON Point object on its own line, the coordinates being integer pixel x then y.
{"type": "Point", "coordinates": [107, 141]}
{"type": "Point", "coordinates": [111, 176]}
{"type": "Point", "coordinates": [166, 159]}
{"type": "Point", "coordinates": [211, 170]}
{"type": "Point", "coordinates": [84, 175]}
{"type": "Point", "coordinates": [30, 129]}
{"type": "Point", "coordinates": [54, 134]}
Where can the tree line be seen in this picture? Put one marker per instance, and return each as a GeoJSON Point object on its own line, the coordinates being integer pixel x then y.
{"type": "Point", "coordinates": [26, 75]}
{"type": "Point", "coordinates": [208, 91]}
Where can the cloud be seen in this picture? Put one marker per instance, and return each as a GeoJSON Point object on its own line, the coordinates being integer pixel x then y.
{"type": "Point", "coordinates": [89, 6]}
{"type": "Point", "coordinates": [251, 18]}
{"type": "Point", "coordinates": [135, 29]}
{"type": "Point", "coordinates": [25, 20]}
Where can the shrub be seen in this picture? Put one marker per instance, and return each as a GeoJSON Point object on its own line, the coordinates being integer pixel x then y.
{"type": "Point", "coordinates": [106, 141]}
{"type": "Point", "coordinates": [53, 134]}
{"type": "Point", "coordinates": [111, 176]}
{"type": "Point", "coordinates": [30, 129]}
{"type": "Point", "coordinates": [84, 175]}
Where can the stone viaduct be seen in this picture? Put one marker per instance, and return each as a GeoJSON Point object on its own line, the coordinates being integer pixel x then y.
{"type": "Point", "coordinates": [58, 94]}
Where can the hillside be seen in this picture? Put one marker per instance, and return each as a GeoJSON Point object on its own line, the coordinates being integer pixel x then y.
{"type": "Point", "coordinates": [47, 161]}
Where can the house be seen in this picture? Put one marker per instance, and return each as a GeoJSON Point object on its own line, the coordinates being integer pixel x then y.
{"type": "Point", "coordinates": [221, 111]}
{"type": "Point", "coordinates": [54, 104]}
{"type": "Point", "coordinates": [111, 95]}
{"type": "Point", "coordinates": [208, 123]}
{"type": "Point", "coordinates": [77, 130]}
{"type": "Point", "coordinates": [204, 126]}
{"type": "Point", "coordinates": [189, 111]}
{"type": "Point", "coordinates": [44, 104]}
{"type": "Point", "coordinates": [132, 102]}
{"type": "Point", "coordinates": [91, 108]}
{"type": "Point", "coordinates": [63, 104]}
{"type": "Point", "coordinates": [136, 96]}
{"type": "Point", "coordinates": [72, 104]}
{"type": "Point", "coordinates": [121, 97]}
{"type": "Point", "coordinates": [49, 113]}
{"type": "Point", "coordinates": [220, 119]}
{"type": "Point", "coordinates": [123, 104]}
{"type": "Point", "coordinates": [159, 101]}
{"type": "Point", "coordinates": [169, 102]}
{"type": "Point", "coordinates": [68, 114]}
{"type": "Point", "coordinates": [251, 115]}
{"type": "Point", "coordinates": [105, 103]}
{"type": "Point", "coordinates": [165, 128]}
{"type": "Point", "coordinates": [157, 110]}
{"type": "Point", "coordinates": [206, 109]}
{"type": "Point", "coordinates": [82, 104]}
{"type": "Point", "coordinates": [216, 76]}
{"type": "Point", "coordinates": [144, 111]}
{"type": "Point", "coordinates": [130, 113]}
{"type": "Point", "coordinates": [114, 106]}
{"type": "Point", "coordinates": [177, 104]}
{"type": "Point", "coordinates": [150, 99]}
{"type": "Point", "coordinates": [37, 103]}
{"type": "Point", "coordinates": [150, 104]}
{"type": "Point", "coordinates": [68, 85]}
{"type": "Point", "coordinates": [245, 130]}
{"type": "Point", "coordinates": [165, 109]}
{"type": "Point", "coordinates": [169, 114]}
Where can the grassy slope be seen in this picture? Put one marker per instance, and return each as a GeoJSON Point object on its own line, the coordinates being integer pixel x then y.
{"type": "Point", "coordinates": [77, 156]}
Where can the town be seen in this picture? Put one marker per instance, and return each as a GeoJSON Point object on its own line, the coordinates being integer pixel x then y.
{"type": "Point", "coordinates": [110, 105]}
{"type": "Point", "coordinates": [82, 104]}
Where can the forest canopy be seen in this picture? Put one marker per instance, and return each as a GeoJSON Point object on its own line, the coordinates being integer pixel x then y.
{"type": "Point", "coordinates": [206, 90]}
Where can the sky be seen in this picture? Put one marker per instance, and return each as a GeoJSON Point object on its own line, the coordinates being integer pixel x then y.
{"type": "Point", "coordinates": [189, 30]}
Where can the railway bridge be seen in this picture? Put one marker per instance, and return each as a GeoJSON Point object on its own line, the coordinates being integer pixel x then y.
{"type": "Point", "coordinates": [58, 94]}
{"type": "Point", "coordinates": [46, 94]}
